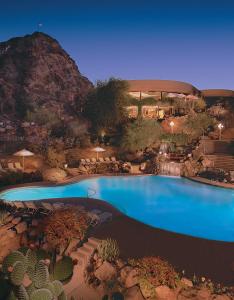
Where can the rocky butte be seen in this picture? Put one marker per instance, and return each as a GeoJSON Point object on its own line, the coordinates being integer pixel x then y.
{"type": "Point", "coordinates": [36, 71]}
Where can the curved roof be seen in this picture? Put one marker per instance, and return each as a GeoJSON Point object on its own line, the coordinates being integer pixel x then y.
{"type": "Point", "coordinates": [161, 86]}
{"type": "Point", "coordinates": [217, 93]}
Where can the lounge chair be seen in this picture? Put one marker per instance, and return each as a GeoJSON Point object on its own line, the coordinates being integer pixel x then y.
{"type": "Point", "coordinates": [101, 159]}
{"type": "Point", "coordinates": [82, 161]}
{"type": "Point", "coordinates": [142, 166]}
{"type": "Point", "coordinates": [58, 205]}
{"type": "Point", "coordinates": [30, 205]}
{"type": "Point", "coordinates": [11, 167]}
{"type": "Point", "coordinates": [1, 169]}
{"type": "Point", "coordinates": [45, 208]}
{"type": "Point", "coordinates": [19, 205]}
{"type": "Point", "coordinates": [232, 176]}
{"type": "Point", "coordinates": [107, 159]}
{"type": "Point", "coordinates": [93, 160]}
{"type": "Point", "coordinates": [87, 160]}
{"type": "Point", "coordinates": [18, 166]}
{"type": "Point", "coordinates": [113, 159]}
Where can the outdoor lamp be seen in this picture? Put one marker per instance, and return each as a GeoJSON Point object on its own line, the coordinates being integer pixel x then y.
{"type": "Point", "coordinates": [172, 124]}
{"type": "Point", "coordinates": [220, 127]}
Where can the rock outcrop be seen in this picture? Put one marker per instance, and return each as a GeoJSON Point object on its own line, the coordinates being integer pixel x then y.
{"type": "Point", "coordinates": [35, 70]}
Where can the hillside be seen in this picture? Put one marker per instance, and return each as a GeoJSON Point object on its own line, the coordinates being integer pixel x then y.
{"type": "Point", "coordinates": [35, 71]}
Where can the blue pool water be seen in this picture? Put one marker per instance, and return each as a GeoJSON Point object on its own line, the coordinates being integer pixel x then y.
{"type": "Point", "coordinates": [170, 203]}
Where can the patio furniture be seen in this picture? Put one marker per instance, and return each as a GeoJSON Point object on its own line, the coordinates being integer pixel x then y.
{"type": "Point", "coordinates": [113, 159]}
{"type": "Point", "coordinates": [30, 205]}
{"type": "Point", "coordinates": [58, 205]}
{"type": "Point", "coordinates": [107, 159]}
{"type": "Point", "coordinates": [1, 169]}
{"type": "Point", "coordinates": [87, 160]}
{"type": "Point", "coordinates": [19, 205]}
{"type": "Point", "coordinates": [101, 159]}
{"type": "Point", "coordinates": [11, 167]}
{"type": "Point", "coordinates": [18, 166]}
{"type": "Point", "coordinates": [94, 160]}
{"type": "Point", "coordinates": [82, 161]}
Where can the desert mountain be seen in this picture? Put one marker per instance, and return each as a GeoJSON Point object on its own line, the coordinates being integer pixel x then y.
{"type": "Point", "coordinates": [36, 71]}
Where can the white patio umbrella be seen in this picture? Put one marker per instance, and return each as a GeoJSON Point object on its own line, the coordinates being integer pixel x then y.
{"type": "Point", "coordinates": [23, 153]}
{"type": "Point", "coordinates": [98, 150]}
{"type": "Point", "coordinates": [172, 95]}
{"type": "Point", "coordinates": [192, 97]}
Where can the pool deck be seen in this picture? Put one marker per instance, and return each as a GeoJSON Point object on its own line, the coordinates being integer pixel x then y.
{"type": "Point", "coordinates": [212, 182]}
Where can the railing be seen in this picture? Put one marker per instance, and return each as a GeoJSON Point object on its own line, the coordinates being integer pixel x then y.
{"type": "Point", "coordinates": [91, 192]}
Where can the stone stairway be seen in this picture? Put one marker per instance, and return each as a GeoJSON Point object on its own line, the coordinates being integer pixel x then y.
{"type": "Point", "coordinates": [222, 161]}
{"type": "Point", "coordinates": [77, 287]}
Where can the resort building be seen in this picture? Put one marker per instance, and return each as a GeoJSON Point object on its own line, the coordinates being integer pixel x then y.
{"type": "Point", "coordinates": [214, 96]}
{"type": "Point", "coordinates": [154, 98]}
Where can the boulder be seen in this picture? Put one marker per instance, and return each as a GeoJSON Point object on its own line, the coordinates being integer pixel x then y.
{"type": "Point", "coordinates": [163, 292]}
{"type": "Point", "coordinates": [134, 293]}
{"type": "Point", "coordinates": [132, 278]}
{"type": "Point", "coordinates": [204, 294]}
{"type": "Point", "coordinates": [221, 297]}
{"type": "Point", "coordinates": [21, 227]}
{"type": "Point", "coordinates": [54, 175]}
{"type": "Point", "coordinates": [120, 263]}
{"type": "Point", "coordinates": [16, 220]}
{"type": "Point", "coordinates": [106, 272]}
{"type": "Point", "coordinates": [35, 222]}
{"type": "Point", "coordinates": [186, 282]}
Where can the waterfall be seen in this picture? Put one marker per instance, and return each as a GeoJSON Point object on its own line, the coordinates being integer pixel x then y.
{"type": "Point", "coordinates": [170, 168]}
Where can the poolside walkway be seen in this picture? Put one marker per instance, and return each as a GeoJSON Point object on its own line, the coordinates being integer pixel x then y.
{"type": "Point", "coordinates": [212, 182]}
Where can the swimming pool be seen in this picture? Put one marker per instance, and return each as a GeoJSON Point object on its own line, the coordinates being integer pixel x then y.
{"type": "Point", "coordinates": [170, 203]}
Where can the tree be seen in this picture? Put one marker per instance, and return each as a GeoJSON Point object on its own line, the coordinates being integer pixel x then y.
{"type": "Point", "coordinates": [105, 106]}
{"type": "Point", "coordinates": [196, 124]}
{"type": "Point", "coordinates": [64, 225]}
{"type": "Point", "coordinates": [55, 159]}
{"type": "Point", "coordinates": [140, 134]}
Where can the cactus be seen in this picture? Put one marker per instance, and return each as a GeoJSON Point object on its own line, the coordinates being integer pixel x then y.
{"type": "Point", "coordinates": [31, 257]}
{"type": "Point", "coordinates": [58, 288]}
{"type": "Point", "coordinates": [41, 294]}
{"type": "Point", "coordinates": [13, 257]}
{"type": "Point", "coordinates": [30, 289]}
{"type": "Point", "coordinates": [62, 296]}
{"type": "Point", "coordinates": [108, 250]}
{"type": "Point", "coordinates": [41, 277]}
{"type": "Point", "coordinates": [63, 269]}
{"type": "Point", "coordinates": [50, 287]}
{"type": "Point", "coordinates": [17, 275]}
{"type": "Point", "coordinates": [21, 293]}
{"type": "Point", "coordinates": [11, 296]}
{"type": "Point", "coordinates": [31, 272]}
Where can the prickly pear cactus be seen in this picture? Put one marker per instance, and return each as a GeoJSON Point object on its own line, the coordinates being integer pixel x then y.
{"type": "Point", "coordinates": [62, 296]}
{"type": "Point", "coordinates": [41, 294]}
{"type": "Point", "coordinates": [13, 257]}
{"type": "Point", "coordinates": [21, 293]}
{"type": "Point", "coordinates": [17, 275]}
{"type": "Point", "coordinates": [41, 277]}
{"type": "Point", "coordinates": [30, 289]}
{"type": "Point", "coordinates": [58, 288]}
{"type": "Point", "coordinates": [31, 257]}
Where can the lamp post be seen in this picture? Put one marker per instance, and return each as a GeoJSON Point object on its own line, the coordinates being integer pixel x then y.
{"type": "Point", "coordinates": [172, 124]}
{"type": "Point", "coordinates": [220, 127]}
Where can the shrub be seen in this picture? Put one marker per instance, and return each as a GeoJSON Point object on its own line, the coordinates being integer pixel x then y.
{"type": "Point", "coordinates": [108, 250]}
{"type": "Point", "coordinates": [156, 271]}
{"type": "Point", "coordinates": [63, 269]}
{"type": "Point", "coordinates": [3, 216]}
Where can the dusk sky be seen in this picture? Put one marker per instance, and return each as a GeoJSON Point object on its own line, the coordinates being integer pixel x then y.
{"type": "Point", "coordinates": [187, 40]}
